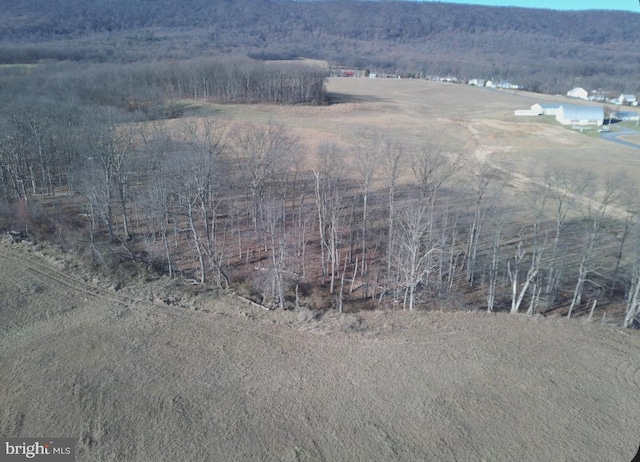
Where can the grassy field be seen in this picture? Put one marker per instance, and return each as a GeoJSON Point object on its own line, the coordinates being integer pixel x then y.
{"type": "Point", "coordinates": [156, 371]}
{"type": "Point", "coordinates": [476, 121]}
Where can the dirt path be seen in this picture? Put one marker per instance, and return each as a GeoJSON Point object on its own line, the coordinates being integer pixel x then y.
{"type": "Point", "coordinates": [135, 380]}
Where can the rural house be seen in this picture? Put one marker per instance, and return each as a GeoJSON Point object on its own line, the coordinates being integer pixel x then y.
{"type": "Point", "coordinates": [477, 82]}
{"type": "Point", "coordinates": [630, 100]}
{"type": "Point", "coordinates": [570, 114]}
{"type": "Point", "coordinates": [579, 93]}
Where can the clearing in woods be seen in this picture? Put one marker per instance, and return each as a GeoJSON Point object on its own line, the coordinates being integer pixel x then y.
{"type": "Point", "coordinates": [148, 373]}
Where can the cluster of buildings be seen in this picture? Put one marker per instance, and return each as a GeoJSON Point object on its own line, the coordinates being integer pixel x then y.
{"type": "Point", "coordinates": [503, 84]}
{"type": "Point", "coordinates": [567, 114]}
{"type": "Point", "coordinates": [579, 115]}
{"type": "Point", "coordinates": [576, 115]}
{"type": "Point", "coordinates": [603, 97]}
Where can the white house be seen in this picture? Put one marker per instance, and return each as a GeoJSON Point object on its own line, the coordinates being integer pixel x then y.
{"type": "Point", "coordinates": [571, 114]}
{"type": "Point", "coordinates": [579, 93]}
{"type": "Point", "coordinates": [627, 99]}
{"type": "Point", "coordinates": [546, 108]}
{"type": "Point", "coordinates": [477, 82]}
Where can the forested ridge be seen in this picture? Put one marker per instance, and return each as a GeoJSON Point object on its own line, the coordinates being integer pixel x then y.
{"type": "Point", "coordinates": [543, 50]}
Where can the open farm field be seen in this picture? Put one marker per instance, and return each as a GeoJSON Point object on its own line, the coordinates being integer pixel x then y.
{"type": "Point", "coordinates": [473, 120]}
{"type": "Point", "coordinates": [211, 378]}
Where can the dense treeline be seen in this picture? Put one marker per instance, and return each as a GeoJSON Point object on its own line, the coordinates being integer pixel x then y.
{"type": "Point", "coordinates": [149, 89]}
{"type": "Point", "coordinates": [245, 206]}
{"type": "Point", "coordinates": [544, 50]}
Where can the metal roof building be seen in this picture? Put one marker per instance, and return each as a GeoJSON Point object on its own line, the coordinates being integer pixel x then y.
{"type": "Point", "coordinates": [570, 114]}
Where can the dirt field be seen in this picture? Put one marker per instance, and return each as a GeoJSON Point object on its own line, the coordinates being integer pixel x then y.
{"type": "Point", "coordinates": [147, 373]}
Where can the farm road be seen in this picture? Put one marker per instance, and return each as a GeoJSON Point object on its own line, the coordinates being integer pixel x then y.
{"type": "Point", "coordinates": [615, 137]}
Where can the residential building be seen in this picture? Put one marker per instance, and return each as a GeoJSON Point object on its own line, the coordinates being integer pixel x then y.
{"type": "Point", "coordinates": [579, 93]}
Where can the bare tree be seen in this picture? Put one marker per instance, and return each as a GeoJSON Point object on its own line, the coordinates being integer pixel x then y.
{"type": "Point", "coordinates": [368, 155]}
{"type": "Point", "coordinates": [395, 159]}
{"type": "Point", "coordinates": [629, 208]}
{"type": "Point", "coordinates": [597, 211]}
{"type": "Point", "coordinates": [537, 195]}
{"type": "Point", "coordinates": [329, 195]}
{"type": "Point", "coordinates": [198, 182]}
{"type": "Point", "coordinates": [479, 191]}
{"type": "Point", "coordinates": [566, 190]}
{"type": "Point", "coordinates": [110, 143]}
{"type": "Point", "coordinates": [494, 266]}
{"type": "Point", "coordinates": [518, 289]}
{"type": "Point", "coordinates": [632, 308]}
{"type": "Point", "coordinates": [414, 249]}
{"type": "Point", "coordinates": [432, 166]}
{"type": "Point", "coordinates": [264, 154]}
{"type": "Point", "coordinates": [276, 229]}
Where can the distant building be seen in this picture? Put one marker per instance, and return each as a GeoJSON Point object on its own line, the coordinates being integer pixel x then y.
{"type": "Point", "coordinates": [626, 115]}
{"type": "Point", "coordinates": [570, 114]}
{"type": "Point", "coordinates": [600, 95]}
{"type": "Point", "coordinates": [507, 86]}
{"type": "Point", "coordinates": [579, 93]}
{"type": "Point", "coordinates": [525, 112]}
{"type": "Point", "coordinates": [477, 82]}
{"type": "Point", "coordinates": [546, 108]}
{"type": "Point", "coordinates": [627, 99]}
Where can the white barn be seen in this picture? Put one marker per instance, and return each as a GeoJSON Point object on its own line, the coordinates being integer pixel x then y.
{"type": "Point", "coordinates": [579, 93]}
{"type": "Point", "coordinates": [570, 114]}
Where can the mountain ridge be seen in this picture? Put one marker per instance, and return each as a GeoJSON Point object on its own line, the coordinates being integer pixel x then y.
{"type": "Point", "coordinates": [545, 50]}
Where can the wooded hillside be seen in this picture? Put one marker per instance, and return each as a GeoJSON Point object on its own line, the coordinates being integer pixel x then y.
{"type": "Point", "coordinates": [544, 50]}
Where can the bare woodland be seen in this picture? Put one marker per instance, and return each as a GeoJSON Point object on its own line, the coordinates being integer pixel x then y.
{"type": "Point", "coordinates": [245, 207]}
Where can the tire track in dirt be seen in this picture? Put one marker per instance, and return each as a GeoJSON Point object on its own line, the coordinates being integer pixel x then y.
{"type": "Point", "coordinates": [45, 269]}
{"type": "Point", "coordinates": [627, 373]}
{"type": "Point", "coordinates": [521, 181]}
